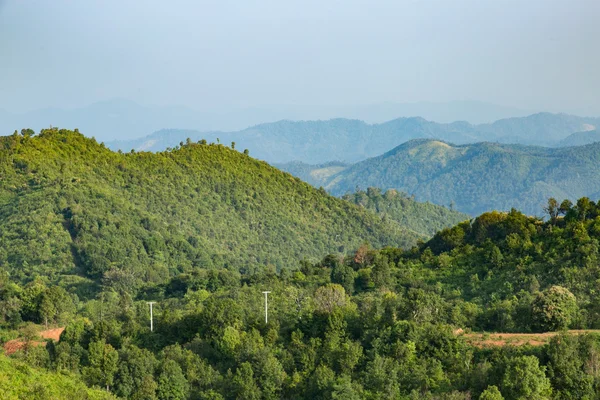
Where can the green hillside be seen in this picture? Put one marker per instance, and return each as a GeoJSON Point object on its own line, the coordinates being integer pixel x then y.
{"type": "Point", "coordinates": [478, 177]}
{"type": "Point", "coordinates": [18, 381]}
{"type": "Point", "coordinates": [424, 218]}
{"type": "Point", "coordinates": [68, 205]}
{"type": "Point", "coordinates": [377, 323]}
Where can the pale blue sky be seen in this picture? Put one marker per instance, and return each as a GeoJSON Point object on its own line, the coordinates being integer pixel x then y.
{"type": "Point", "coordinates": [223, 54]}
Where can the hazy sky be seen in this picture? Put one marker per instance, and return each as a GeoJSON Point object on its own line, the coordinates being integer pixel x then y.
{"type": "Point", "coordinates": [222, 54]}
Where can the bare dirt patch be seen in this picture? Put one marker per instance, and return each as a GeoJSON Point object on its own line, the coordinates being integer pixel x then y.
{"type": "Point", "coordinates": [499, 339]}
{"type": "Point", "coordinates": [18, 344]}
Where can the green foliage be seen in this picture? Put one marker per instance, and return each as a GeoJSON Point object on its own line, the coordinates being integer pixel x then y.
{"type": "Point", "coordinates": [103, 363]}
{"type": "Point", "coordinates": [77, 214]}
{"type": "Point", "coordinates": [424, 218]}
{"type": "Point", "coordinates": [524, 379]}
{"type": "Point", "coordinates": [369, 322]}
{"type": "Point", "coordinates": [477, 177]}
{"type": "Point", "coordinates": [172, 384]}
{"type": "Point", "coordinates": [568, 367]}
{"type": "Point", "coordinates": [20, 381]}
{"type": "Point", "coordinates": [554, 309]}
{"type": "Point", "coordinates": [491, 393]}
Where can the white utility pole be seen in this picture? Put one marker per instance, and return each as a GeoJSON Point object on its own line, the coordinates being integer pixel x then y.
{"type": "Point", "coordinates": [151, 322]}
{"type": "Point", "coordinates": [266, 307]}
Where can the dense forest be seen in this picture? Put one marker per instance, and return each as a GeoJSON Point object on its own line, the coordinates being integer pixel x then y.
{"type": "Point", "coordinates": [71, 210]}
{"type": "Point", "coordinates": [373, 324]}
{"type": "Point", "coordinates": [478, 177]}
{"type": "Point", "coordinates": [424, 218]}
{"type": "Point", "coordinates": [362, 322]}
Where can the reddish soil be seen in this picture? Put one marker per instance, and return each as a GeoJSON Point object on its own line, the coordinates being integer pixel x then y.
{"type": "Point", "coordinates": [516, 339]}
{"type": "Point", "coordinates": [53, 334]}
{"type": "Point", "coordinates": [17, 344]}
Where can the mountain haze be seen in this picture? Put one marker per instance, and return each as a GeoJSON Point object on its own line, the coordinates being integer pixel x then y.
{"type": "Point", "coordinates": [119, 119]}
{"type": "Point", "coordinates": [322, 141]}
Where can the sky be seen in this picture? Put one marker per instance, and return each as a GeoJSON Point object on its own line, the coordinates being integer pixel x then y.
{"type": "Point", "coordinates": [224, 54]}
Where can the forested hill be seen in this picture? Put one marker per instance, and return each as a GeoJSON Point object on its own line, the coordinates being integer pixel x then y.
{"type": "Point", "coordinates": [424, 218]}
{"type": "Point", "coordinates": [68, 206]}
{"type": "Point", "coordinates": [478, 177]}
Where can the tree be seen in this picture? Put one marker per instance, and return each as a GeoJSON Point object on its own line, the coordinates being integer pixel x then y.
{"type": "Point", "coordinates": [27, 132]}
{"type": "Point", "coordinates": [361, 257]}
{"type": "Point", "coordinates": [381, 272]}
{"type": "Point", "coordinates": [146, 390]}
{"type": "Point", "coordinates": [54, 302]}
{"type": "Point", "coordinates": [244, 386]}
{"type": "Point", "coordinates": [552, 209]}
{"type": "Point", "coordinates": [491, 393]}
{"type": "Point", "coordinates": [524, 379]}
{"type": "Point", "coordinates": [135, 365]}
{"type": "Point", "coordinates": [103, 363]}
{"type": "Point", "coordinates": [233, 145]}
{"type": "Point", "coordinates": [343, 389]}
{"type": "Point", "coordinates": [172, 384]}
{"type": "Point", "coordinates": [566, 368]}
{"type": "Point", "coordinates": [583, 208]}
{"type": "Point", "coordinates": [329, 297]}
{"type": "Point", "coordinates": [565, 206]}
{"type": "Point", "coordinates": [340, 272]}
{"type": "Point", "coordinates": [554, 309]}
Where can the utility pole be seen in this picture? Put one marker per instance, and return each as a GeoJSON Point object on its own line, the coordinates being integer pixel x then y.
{"type": "Point", "coordinates": [151, 321]}
{"type": "Point", "coordinates": [266, 307]}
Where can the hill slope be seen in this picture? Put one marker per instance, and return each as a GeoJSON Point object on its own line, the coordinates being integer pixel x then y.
{"type": "Point", "coordinates": [581, 138]}
{"type": "Point", "coordinates": [20, 381]}
{"type": "Point", "coordinates": [317, 142]}
{"type": "Point", "coordinates": [424, 218]}
{"type": "Point", "coordinates": [316, 175]}
{"type": "Point", "coordinates": [478, 177]}
{"type": "Point", "coordinates": [71, 206]}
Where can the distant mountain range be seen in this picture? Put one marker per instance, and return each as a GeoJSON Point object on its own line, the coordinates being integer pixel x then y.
{"type": "Point", "coordinates": [123, 119]}
{"type": "Point", "coordinates": [316, 142]}
{"type": "Point", "coordinates": [474, 177]}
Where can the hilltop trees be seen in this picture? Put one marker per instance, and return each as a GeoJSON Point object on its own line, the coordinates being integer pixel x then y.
{"type": "Point", "coordinates": [72, 207]}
